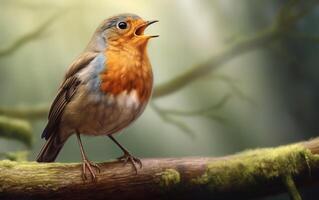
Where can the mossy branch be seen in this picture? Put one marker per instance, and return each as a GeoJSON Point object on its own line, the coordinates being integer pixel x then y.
{"type": "Point", "coordinates": [26, 112]}
{"type": "Point", "coordinates": [252, 173]}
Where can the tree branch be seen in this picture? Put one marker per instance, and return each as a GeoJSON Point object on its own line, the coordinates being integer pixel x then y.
{"type": "Point", "coordinates": [15, 156]}
{"type": "Point", "coordinates": [168, 115]}
{"type": "Point", "coordinates": [286, 18]}
{"type": "Point", "coordinates": [33, 35]}
{"type": "Point", "coordinates": [282, 25]}
{"type": "Point", "coordinates": [249, 174]}
{"type": "Point", "coordinates": [16, 129]}
{"type": "Point", "coordinates": [202, 69]}
{"type": "Point", "coordinates": [27, 112]}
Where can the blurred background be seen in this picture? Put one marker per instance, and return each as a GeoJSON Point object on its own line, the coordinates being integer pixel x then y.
{"type": "Point", "coordinates": [262, 91]}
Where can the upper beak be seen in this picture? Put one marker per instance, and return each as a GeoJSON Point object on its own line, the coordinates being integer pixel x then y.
{"type": "Point", "coordinates": [140, 29]}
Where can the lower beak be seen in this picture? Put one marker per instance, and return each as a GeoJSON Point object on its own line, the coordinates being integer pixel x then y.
{"type": "Point", "coordinates": [140, 29]}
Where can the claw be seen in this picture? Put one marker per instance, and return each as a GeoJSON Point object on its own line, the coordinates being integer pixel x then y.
{"type": "Point", "coordinates": [96, 166]}
{"type": "Point", "coordinates": [90, 166]}
{"type": "Point", "coordinates": [127, 157]}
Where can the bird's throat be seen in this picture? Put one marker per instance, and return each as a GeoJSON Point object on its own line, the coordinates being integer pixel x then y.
{"type": "Point", "coordinates": [127, 69]}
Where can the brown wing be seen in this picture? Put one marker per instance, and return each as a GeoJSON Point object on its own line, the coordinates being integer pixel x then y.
{"type": "Point", "coordinates": [66, 92]}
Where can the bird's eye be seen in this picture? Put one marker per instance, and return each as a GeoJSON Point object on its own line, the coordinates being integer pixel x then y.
{"type": "Point", "coordinates": [122, 25]}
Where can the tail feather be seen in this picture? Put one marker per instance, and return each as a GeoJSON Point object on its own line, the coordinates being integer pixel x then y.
{"type": "Point", "coordinates": [50, 150]}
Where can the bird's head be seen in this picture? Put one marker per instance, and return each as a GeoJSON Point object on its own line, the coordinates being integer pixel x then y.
{"type": "Point", "coordinates": [125, 29]}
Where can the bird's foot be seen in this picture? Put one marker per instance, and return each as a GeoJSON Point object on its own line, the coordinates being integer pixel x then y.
{"type": "Point", "coordinates": [127, 157]}
{"type": "Point", "coordinates": [91, 167]}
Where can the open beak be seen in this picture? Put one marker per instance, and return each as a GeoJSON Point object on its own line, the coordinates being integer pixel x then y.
{"type": "Point", "coordinates": [141, 28]}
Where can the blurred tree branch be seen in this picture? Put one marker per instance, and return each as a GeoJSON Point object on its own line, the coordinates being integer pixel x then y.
{"type": "Point", "coordinates": [15, 156]}
{"type": "Point", "coordinates": [202, 69]}
{"type": "Point", "coordinates": [283, 25]}
{"type": "Point", "coordinates": [25, 112]}
{"type": "Point", "coordinates": [233, 85]}
{"type": "Point", "coordinates": [168, 115]}
{"type": "Point", "coordinates": [16, 129]}
{"type": "Point", "coordinates": [31, 36]}
{"type": "Point", "coordinates": [209, 112]}
{"type": "Point", "coordinates": [252, 173]}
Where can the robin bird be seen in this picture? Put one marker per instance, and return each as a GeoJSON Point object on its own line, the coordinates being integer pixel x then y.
{"type": "Point", "coordinates": [104, 90]}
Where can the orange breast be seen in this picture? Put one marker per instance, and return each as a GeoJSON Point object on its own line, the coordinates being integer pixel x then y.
{"type": "Point", "coordinates": [127, 70]}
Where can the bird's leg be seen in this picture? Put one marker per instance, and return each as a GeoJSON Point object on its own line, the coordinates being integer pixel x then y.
{"type": "Point", "coordinates": [86, 163]}
{"type": "Point", "coordinates": [127, 156]}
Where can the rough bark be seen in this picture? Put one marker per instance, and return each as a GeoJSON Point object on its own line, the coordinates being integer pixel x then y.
{"type": "Point", "coordinates": [248, 174]}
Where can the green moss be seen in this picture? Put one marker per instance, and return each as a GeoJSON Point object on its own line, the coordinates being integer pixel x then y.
{"type": "Point", "coordinates": [256, 165]}
{"type": "Point", "coordinates": [26, 165]}
{"type": "Point", "coordinates": [6, 164]}
{"type": "Point", "coordinates": [16, 129]}
{"type": "Point", "coordinates": [22, 176]}
{"type": "Point", "coordinates": [169, 178]}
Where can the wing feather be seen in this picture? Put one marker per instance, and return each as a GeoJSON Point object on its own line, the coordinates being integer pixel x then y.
{"type": "Point", "coordinates": [66, 91]}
